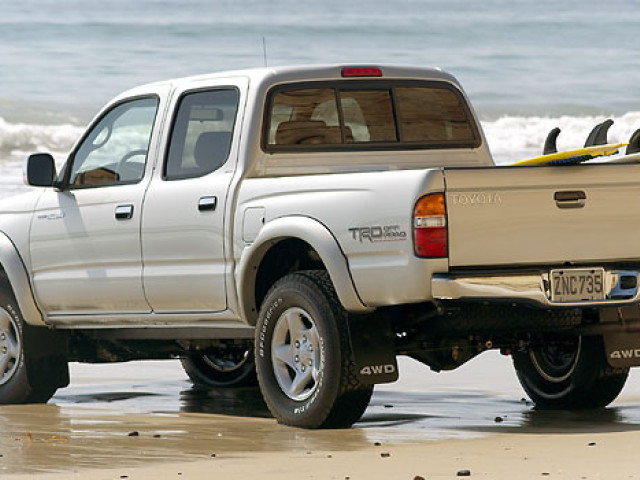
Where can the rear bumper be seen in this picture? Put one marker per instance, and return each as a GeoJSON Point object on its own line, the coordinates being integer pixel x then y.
{"type": "Point", "coordinates": [531, 288]}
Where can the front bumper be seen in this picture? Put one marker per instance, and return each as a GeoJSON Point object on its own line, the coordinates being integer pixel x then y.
{"type": "Point", "coordinates": [532, 288]}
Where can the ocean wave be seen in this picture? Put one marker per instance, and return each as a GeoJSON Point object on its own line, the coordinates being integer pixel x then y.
{"type": "Point", "coordinates": [21, 138]}
{"type": "Point", "coordinates": [514, 137]}
{"type": "Point", "coordinates": [509, 137]}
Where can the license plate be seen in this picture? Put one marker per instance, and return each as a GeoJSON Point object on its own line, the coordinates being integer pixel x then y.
{"type": "Point", "coordinates": [577, 285]}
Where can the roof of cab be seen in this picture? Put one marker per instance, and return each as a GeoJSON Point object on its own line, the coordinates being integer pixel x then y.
{"type": "Point", "coordinates": [301, 73]}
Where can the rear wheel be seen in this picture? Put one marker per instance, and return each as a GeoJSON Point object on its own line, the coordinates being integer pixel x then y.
{"type": "Point", "coordinates": [569, 373]}
{"type": "Point", "coordinates": [32, 362]}
{"type": "Point", "coordinates": [303, 356]}
{"type": "Point", "coordinates": [231, 366]}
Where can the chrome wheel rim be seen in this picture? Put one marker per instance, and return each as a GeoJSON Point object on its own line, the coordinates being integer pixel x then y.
{"type": "Point", "coordinates": [556, 363]}
{"type": "Point", "coordinates": [228, 363]}
{"type": "Point", "coordinates": [295, 354]}
{"type": "Point", "coordinates": [10, 346]}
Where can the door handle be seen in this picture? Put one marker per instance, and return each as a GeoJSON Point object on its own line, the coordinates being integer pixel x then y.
{"type": "Point", "coordinates": [207, 204]}
{"type": "Point", "coordinates": [570, 199]}
{"type": "Point", "coordinates": [124, 212]}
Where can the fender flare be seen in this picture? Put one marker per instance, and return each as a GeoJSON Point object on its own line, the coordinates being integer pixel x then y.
{"type": "Point", "coordinates": [16, 272]}
{"type": "Point", "coordinates": [319, 238]}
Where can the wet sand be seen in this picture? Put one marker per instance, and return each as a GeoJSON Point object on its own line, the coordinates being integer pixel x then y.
{"type": "Point", "coordinates": [143, 421]}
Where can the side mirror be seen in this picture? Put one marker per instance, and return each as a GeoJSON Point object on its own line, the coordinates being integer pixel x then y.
{"type": "Point", "coordinates": [40, 170]}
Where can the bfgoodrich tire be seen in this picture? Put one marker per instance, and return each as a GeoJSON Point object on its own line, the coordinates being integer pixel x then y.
{"type": "Point", "coordinates": [32, 362]}
{"type": "Point", "coordinates": [226, 368]}
{"type": "Point", "coordinates": [570, 375]}
{"type": "Point", "coordinates": [304, 362]}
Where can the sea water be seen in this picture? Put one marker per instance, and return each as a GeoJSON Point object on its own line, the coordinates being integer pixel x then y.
{"type": "Point", "coordinates": [526, 66]}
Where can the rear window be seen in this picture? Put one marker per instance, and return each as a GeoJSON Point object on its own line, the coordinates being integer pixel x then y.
{"type": "Point", "coordinates": [358, 115]}
{"type": "Point", "coordinates": [433, 115]}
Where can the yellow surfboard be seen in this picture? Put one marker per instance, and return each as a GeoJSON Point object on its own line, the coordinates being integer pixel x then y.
{"type": "Point", "coordinates": [570, 157]}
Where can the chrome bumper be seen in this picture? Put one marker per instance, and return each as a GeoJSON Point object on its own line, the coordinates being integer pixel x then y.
{"type": "Point", "coordinates": [527, 288]}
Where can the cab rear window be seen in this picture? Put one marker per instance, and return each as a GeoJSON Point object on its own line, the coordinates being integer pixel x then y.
{"type": "Point", "coordinates": [367, 115]}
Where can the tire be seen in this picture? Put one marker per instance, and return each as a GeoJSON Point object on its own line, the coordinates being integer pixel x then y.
{"type": "Point", "coordinates": [571, 375]}
{"type": "Point", "coordinates": [304, 363]}
{"type": "Point", "coordinates": [223, 369]}
{"type": "Point", "coordinates": [32, 361]}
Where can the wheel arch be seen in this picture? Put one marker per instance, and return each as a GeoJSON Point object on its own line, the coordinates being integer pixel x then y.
{"type": "Point", "coordinates": [12, 266]}
{"type": "Point", "coordinates": [289, 244]}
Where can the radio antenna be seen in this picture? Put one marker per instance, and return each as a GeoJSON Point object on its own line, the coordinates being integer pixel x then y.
{"type": "Point", "coordinates": [264, 50]}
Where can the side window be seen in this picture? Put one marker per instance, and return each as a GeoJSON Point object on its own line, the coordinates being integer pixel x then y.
{"type": "Point", "coordinates": [201, 135]}
{"type": "Point", "coordinates": [115, 150]}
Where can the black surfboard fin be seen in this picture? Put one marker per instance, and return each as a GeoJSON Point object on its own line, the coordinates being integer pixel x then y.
{"type": "Point", "coordinates": [550, 142]}
{"type": "Point", "coordinates": [598, 135]}
{"type": "Point", "coordinates": [634, 143]}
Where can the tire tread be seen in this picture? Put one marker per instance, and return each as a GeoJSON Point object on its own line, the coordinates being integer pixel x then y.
{"type": "Point", "coordinates": [352, 397]}
{"type": "Point", "coordinates": [595, 384]}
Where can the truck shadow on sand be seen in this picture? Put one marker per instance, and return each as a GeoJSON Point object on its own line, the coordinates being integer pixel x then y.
{"type": "Point", "coordinates": [471, 413]}
{"type": "Point", "coordinates": [428, 415]}
{"type": "Point", "coordinates": [237, 402]}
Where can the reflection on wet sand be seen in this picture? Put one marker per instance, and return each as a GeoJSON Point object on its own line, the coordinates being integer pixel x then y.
{"type": "Point", "coordinates": [145, 413]}
{"type": "Point", "coordinates": [491, 414]}
{"type": "Point", "coordinates": [609, 420]}
{"type": "Point", "coordinates": [51, 438]}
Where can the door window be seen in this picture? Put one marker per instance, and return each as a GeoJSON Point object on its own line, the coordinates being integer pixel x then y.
{"type": "Point", "coordinates": [201, 134]}
{"type": "Point", "coordinates": [115, 150]}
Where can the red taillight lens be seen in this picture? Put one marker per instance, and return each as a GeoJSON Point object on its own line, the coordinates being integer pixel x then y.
{"type": "Point", "coordinates": [361, 72]}
{"type": "Point", "coordinates": [430, 226]}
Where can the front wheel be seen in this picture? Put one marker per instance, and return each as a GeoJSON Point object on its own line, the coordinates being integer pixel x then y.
{"type": "Point", "coordinates": [32, 362]}
{"type": "Point", "coordinates": [570, 373]}
{"type": "Point", "coordinates": [304, 363]}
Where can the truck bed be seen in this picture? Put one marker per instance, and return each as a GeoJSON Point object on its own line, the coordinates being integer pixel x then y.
{"type": "Point", "coordinates": [516, 216]}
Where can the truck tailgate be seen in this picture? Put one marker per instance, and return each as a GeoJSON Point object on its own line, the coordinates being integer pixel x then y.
{"type": "Point", "coordinates": [543, 215]}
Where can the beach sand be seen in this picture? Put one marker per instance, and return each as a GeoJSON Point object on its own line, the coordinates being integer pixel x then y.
{"type": "Point", "coordinates": [143, 421]}
{"type": "Point", "coordinates": [500, 458]}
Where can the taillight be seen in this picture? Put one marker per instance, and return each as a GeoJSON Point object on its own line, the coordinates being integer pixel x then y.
{"type": "Point", "coordinates": [430, 226]}
{"type": "Point", "coordinates": [361, 72]}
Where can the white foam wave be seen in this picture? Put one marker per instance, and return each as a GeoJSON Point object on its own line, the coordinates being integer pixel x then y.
{"type": "Point", "coordinates": [510, 137]}
{"type": "Point", "coordinates": [20, 138]}
{"type": "Point", "coordinates": [513, 137]}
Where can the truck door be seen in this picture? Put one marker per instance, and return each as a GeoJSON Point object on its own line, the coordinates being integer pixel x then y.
{"type": "Point", "coordinates": [184, 215]}
{"type": "Point", "coordinates": [85, 236]}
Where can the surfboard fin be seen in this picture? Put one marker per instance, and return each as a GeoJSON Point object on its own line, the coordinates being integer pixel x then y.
{"type": "Point", "coordinates": [634, 143]}
{"type": "Point", "coordinates": [598, 135]}
{"type": "Point", "coordinates": [550, 142]}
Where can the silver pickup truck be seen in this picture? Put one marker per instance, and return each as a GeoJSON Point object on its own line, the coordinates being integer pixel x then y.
{"type": "Point", "coordinates": [301, 227]}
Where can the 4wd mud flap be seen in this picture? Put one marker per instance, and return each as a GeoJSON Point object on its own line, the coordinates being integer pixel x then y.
{"type": "Point", "coordinates": [373, 346]}
{"type": "Point", "coordinates": [622, 349]}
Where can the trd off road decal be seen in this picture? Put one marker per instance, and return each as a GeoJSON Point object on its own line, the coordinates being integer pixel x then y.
{"type": "Point", "coordinates": [378, 233]}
